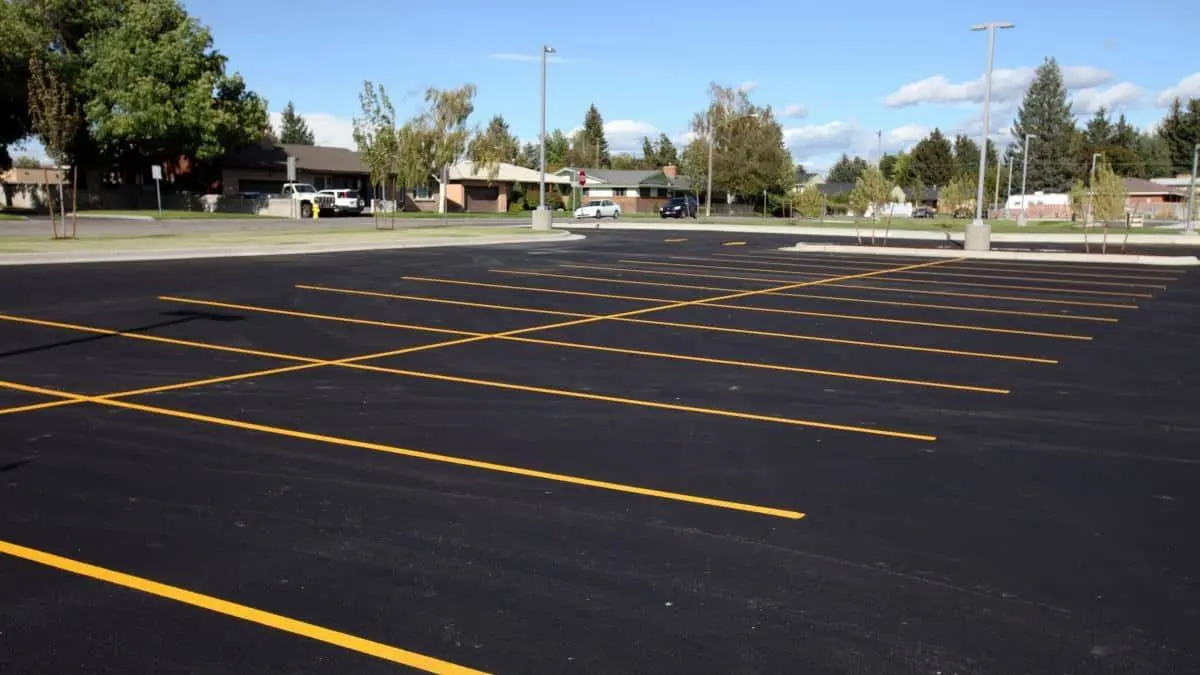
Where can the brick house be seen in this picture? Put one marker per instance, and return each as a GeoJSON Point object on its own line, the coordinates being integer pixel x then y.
{"type": "Point", "coordinates": [262, 168]}
{"type": "Point", "coordinates": [474, 189]}
{"type": "Point", "coordinates": [1149, 198]}
{"type": "Point", "coordinates": [635, 191]}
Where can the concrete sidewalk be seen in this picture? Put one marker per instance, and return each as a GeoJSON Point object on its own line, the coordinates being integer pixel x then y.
{"type": "Point", "coordinates": [906, 235]}
{"type": "Point", "coordinates": [98, 252]}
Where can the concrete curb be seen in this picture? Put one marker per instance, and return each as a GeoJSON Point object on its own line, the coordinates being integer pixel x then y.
{"type": "Point", "coordinates": [911, 235]}
{"type": "Point", "coordinates": [1109, 258]}
{"type": "Point", "coordinates": [109, 216]}
{"type": "Point", "coordinates": [250, 251]}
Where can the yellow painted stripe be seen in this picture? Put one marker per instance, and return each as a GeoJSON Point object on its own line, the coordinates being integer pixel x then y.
{"type": "Point", "coordinates": [1015, 287]}
{"type": "Point", "coordinates": [700, 326]}
{"type": "Point", "coordinates": [881, 289]}
{"type": "Point", "coordinates": [966, 265]}
{"type": "Point", "coordinates": [733, 243]}
{"type": "Point", "coordinates": [460, 303]}
{"type": "Point", "coordinates": [811, 296]}
{"type": "Point", "coordinates": [235, 610]}
{"type": "Point", "coordinates": [961, 275]}
{"type": "Point", "coordinates": [677, 240]}
{"type": "Point", "coordinates": [585, 294]}
{"type": "Point", "coordinates": [418, 454]}
{"type": "Point", "coordinates": [793, 312]}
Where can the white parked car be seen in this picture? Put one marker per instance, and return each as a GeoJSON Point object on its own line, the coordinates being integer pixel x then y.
{"type": "Point", "coordinates": [306, 195]}
{"type": "Point", "coordinates": [599, 208]}
{"type": "Point", "coordinates": [345, 201]}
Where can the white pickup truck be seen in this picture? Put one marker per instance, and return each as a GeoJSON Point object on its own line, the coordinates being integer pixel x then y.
{"type": "Point", "coordinates": [305, 196]}
{"type": "Point", "coordinates": [345, 200]}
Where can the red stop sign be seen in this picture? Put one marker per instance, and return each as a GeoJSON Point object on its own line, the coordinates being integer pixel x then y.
{"type": "Point", "coordinates": [582, 177]}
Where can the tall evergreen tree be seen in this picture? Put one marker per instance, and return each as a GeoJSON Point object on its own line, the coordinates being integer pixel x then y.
{"type": "Point", "coordinates": [665, 152]}
{"type": "Point", "coordinates": [1181, 130]}
{"type": "Point", "coordinates": [933, 159]}
{"type": "Point", "coordinates": [593, 132]}
{"type": "Point", "coordinates": [1046, 113]}
{"type": "Point", "coordinates": [846, 170]}
{"type": "Point", "coordinates": [1155, 155]}
{"type": "Point", "coordinates": [292, 127]}
{"type": "Point", "coordinates": [966, 156]}
{"type": "Point", "coordinates": [1114, 141]}
{"type": "Point", "coordinates": [1099, 131]}
{"type": "Point", "coordinates": [496, 142]}
{"type": "Point", "coordinates": [557, 145]}
{"type": "Point", "coordinates": [649, 154]}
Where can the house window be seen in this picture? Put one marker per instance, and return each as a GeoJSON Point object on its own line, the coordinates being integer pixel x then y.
{"type": "Point", "coordinates": [421, 192]}
{"type": "Point", "coordinates": [618, 192]}
{"type": "Point", "coordinates": [323, 182]}
{"type": "Point", "coordinates": [586, 191]}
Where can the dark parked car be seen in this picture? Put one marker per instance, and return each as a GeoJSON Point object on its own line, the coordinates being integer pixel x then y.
{"type": "Point", "coordinates": [923, 212]}
{"type": "Point", "coordinates": [680, 207]}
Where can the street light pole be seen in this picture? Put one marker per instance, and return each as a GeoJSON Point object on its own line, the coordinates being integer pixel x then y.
{"type": "Point", "coordinates": [1008, 192]}
{"type": "Point", "coordinates": [1190, 228]}
{"type": "Point", "coordinates": [996, 194]}
{"type": "Point", "coordinates": [1021, 220]}
{"type": "Point", "coordinates": [541, 218]}
{"type": "Point", "coordinates": [978, 233]}
{"type": "Point", "coordinates": [708, 190]}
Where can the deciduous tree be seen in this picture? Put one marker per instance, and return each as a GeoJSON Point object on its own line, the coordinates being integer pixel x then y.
{"type": "Point", "coordinates": [871, 192]}
{"type": "Point", "coordinates": [958, 194]}
{"type": "Point", "coordinates": [807, 202]}
{"type": "Point", "coordinates": [378, 141]}
{"type": "Point", "coordinates": [293, 128]}
{"type": "Point", "coordinates": [55, 120]}
{"type": "Point", "coordinates": [437, 138]}
{"type": "Point", "coordinates": [494, 146]}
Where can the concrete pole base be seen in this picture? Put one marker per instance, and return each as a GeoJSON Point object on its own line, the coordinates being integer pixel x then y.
{"type": "Point", "coordinates": [543, 220]}
{"type": "Point", "coordinates": [1022, 221]}
{"type": "Point", "coordinates": [978, 237]}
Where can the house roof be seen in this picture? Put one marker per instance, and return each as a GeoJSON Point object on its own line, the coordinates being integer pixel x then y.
{"type": "Point", "coordinates": [505, 173]}
{"type": "Point", "coordinates": [1140, 186]}
{"type": "Point", "coordinates": [831, 189]}
{"type": "Point", "coordinates": [308, 157]}
{"type": "Point", "coordinates": [630, 178]}
{"type": "Point", "coordinates": [22, 176]}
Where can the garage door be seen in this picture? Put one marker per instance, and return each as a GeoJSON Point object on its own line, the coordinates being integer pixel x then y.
{"type": "Point", "coordinates": [483, 198]}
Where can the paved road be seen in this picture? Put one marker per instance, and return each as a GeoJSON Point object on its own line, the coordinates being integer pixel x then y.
{"type": "Point", "coordinates": [38, 226]}
{"type": "Point", "coordinates": [604, 496]}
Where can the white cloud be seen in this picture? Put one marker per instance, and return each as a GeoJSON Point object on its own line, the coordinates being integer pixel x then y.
{"type": "Point", "coordinates": [819, 145]}
{"type": "Point", "coordinates": [795, 111]}
{"type": "Point", "coordinates": [327, 129]}
{"type": "Point", "coordinates": [1121, 96]}
{"type": "Point", "coordinates": [747, 87]}
{"type": "Point", "coordinates": [1188, 87]}
{"type": "Point", "coordinates": [1008, 84]}
{"type": "Point", "coordinates": [626, 135]}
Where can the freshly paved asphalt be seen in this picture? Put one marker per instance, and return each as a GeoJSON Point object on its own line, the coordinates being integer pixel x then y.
{"type": "Point", "coordinates": [1048, 530]}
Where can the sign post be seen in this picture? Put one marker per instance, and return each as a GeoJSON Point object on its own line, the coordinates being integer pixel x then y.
{"type": "Point", "coordinates": [291, 178]}
{"type": "Point", "coordinates": [156, 174]}
{"type": "Point", "coordinates": [582, 182]}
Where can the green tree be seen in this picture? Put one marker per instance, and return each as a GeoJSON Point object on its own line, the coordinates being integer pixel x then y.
{"type": "Point", "coordinates": [593, 131]}
{"type": "Point", "coordinates": [1181, 130]}
{"type": "Point", "coordinates": [1046, 113]}
{"type": "Point", "coordinates": [557, 145]}
{"type": "Point", "coordinates": [55, 119]}
{"type": "Point", "coordinates": [437, 138]}
{"type": "Point", "coordinates": [933, 159]}
{"type": "Point", "coordinates": [378, 142]}
{"type": "Point", "coordinates": [871, 192]}
{"type": "Point", "coordinates": [748, 151]}
{"type": "Point", "coordinates": [649, 153]}
{"type": "Point", "coordinates": [626, 161]}
{"type": "Point", "coordinates": [887, 164]}
{"type": "Point", "coordinates": [26, 162]}
{"type": "Point", "coordinates": [1155, 155]}
{"type": "Point", "coordinates": [846, 170]}
{"type": "Point", "coordinates": [292, 127]}
{"type": "Point", "coordinates": [1077, 194]}
{"type": "Point", "coordinates": [802, 174]}
{"type": "Point", "coordinates": [1108, 194]}
{"type": "Point", "coordinates": [529, 158]}
{"type": "Point", "coordinates": [665, 153]}
{"type": "Point", "coordinates": [583, 152]}
{"type": "Point", "coordinates": [966, 156]}
{"type": "Point", "coordinates": [958, 194]}
{"type": "Point", "coordinates": [494, 146]}
{"type": "Point", "coordinates": [807, 202]}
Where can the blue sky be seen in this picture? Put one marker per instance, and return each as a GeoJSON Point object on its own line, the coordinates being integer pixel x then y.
{"type": "Point", "coordinates": [845, 70]}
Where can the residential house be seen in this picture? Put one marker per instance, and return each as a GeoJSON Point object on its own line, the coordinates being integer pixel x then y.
{"type": "Point", "coordinates": [26, 188]}
{"type": "Point", "coordinates": [635, 191]}
{"type": "Point", "coordinates": [262, 168]}
{"type": "Point", "coordinates": [476, 189]}
{"type": "Point", "coordinates": [1153, 199]}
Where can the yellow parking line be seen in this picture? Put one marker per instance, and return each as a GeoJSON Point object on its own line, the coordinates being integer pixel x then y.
{"type": "Point", "coordinates": [235, 610]}
{"type": "Point", "coordinates": [733, 243]}
{"type": "Point", "coordinates": [881, 289]}
{"type": "Point", "coordinates": [707, 327]}
{"type": "Point", "coordinates": [1005, 265]}
{"type": "Point", "coordinates": [811, 296]}
{"type": "Point", "coordinates": [793, 312]}
{"type": "Point", "coordinates": [966, 275]}
{"type": "Point", "coordinates": [416, 454]}
{"type": "Point", "coordinates": [1166, 276]}
{"type": "Point", "coordinates": [1043, 289]}
{"type": "Point", "coordinates": [677, 240]}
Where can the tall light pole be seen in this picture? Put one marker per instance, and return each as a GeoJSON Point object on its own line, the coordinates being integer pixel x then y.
{"type": "Point", "coordinates": [1008, 192]}
{"type": "Point", "coordinates": [1190, 228]}
{"type": "Point", "coordinates": [996, 194]}
{"type": "Point", "coordinates": [978, 234]}
{"type": "Point", "coordinates": [1021, 221]}
{"type": "Point", "coordinates": [546, 49]}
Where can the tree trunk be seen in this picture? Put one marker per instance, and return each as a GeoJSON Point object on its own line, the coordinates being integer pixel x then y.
{"type": "Point", "coordinates": [50, 203]}
{"type": "Point", "coordinates": [62, 203]}
{"type": "Point", "coordinates": [74, 200]}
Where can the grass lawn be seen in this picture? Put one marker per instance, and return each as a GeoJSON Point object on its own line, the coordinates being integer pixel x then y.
{"type": "Point", "coordinates": [453, 216]}
{"type": "Point", "coordinates": [10, 216]}
{"type": "Point", "coordinates": [167, 214]}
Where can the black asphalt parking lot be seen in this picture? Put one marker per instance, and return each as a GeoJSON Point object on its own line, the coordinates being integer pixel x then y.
{"type": "Point", "coordinates": [634, 453]}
